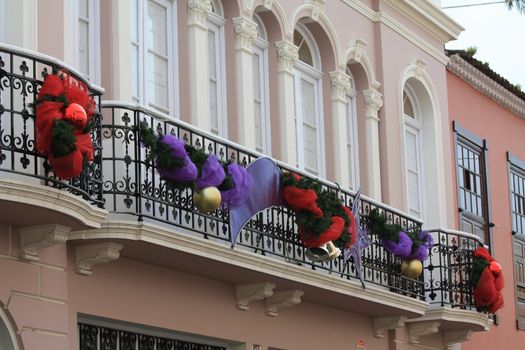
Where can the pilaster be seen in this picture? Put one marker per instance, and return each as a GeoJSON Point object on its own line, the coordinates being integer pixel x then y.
{"type": "Point", "coordinates": [373, 103]}
{"type": "Point", "coordinates": [287, 54]}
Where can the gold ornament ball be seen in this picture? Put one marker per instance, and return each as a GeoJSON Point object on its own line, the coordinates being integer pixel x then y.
{"type": "Point", "coordinates": [207, 200]}
{"type": "Point", "coordinates": [411, 268]}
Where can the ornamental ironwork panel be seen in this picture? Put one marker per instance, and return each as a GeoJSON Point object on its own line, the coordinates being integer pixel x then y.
{"type": "Point", "coordinates": [103, 338]}
{"type": "Point", "coordinates": [448, 270]}
{"type": "Point", "coordinates": [133, 186]}
{"type": "Point", "coordinates": [21, 77]}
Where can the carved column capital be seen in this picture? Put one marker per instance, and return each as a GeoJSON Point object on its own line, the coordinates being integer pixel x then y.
{"type": "Point", "coordinates": [287, 54]}
{"type": "Point", "coordinates": [340, 85]}
{"type": "Point", "coordinates": [373, 103]}
{"type": "Point", "coordinates": [246, 293]}
{"type": "Point", "coordinates": [89, 255]}
{"type": "Point", "coordinates": [198, 11]}
{"type": "Point", "coordinates": [282, 299]}
{"type": "Point", "coordinates": [245, 33]}
{"type": "Point", "coordinates": [35, 238]}
{"type": "Point", "coordinates": [418, 329]}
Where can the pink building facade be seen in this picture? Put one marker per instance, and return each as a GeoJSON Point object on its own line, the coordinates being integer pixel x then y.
{"type": "Point", "coordinates": [487, 120]}
{"type": "Point", "coordinates": [350, 92]}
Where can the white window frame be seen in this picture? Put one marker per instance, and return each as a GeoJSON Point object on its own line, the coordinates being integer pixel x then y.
{"type": "Point", "coordinates": [144, 98]}
{"type": "Point", "coordinates": [303, 71]}
{"type": "Point", "coordinates": [215, 23]}
{"type": "Point", "coordinates": [352, 140]}
{"type": "Point", "coordinates": [94, 74]}
{"type": "Point", "coordinates": [260, 49]}
{"type": "Point", "coordinates": [415, 127]}
{"type": "Point", "coordinates": [2, 21]}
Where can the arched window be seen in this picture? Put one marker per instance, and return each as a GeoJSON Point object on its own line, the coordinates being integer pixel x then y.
{"type": "Point", "coordinates": [260, 88]}
{"type": "Point", "coordinates": [7, 332]}
{"type": "Point", "coordinates": [217, 69]}
{"type": "Point", "coordinates": [153, 56]}
{"type": "Point", "coordinates": [308, 103]}
{"type": "Point", "coordinates": [413, 126]}
{"type": "Point", "coordinates": [351, 134]}
{"type": "Point", "coordinates": [87, 38]}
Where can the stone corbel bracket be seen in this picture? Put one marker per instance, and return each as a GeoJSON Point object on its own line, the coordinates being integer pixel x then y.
{"type": "Point", "coordinates": [35, 238]}
{"type": "Point", "coordinates": [382, 324]}
{"type": "Point", "coordinates": [89, 255]}
{"type": "Point", "coordinates": [246, 293]}
{"type": "Point", "coordinates": [454, 337]}
{"type": "Point", "coordinates": [418, 329]}
{"type": "Point", "coordinates": [282, 299]}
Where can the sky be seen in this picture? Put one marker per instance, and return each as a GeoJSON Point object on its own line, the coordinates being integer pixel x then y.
{"type": "Point", "coordinates": [498, 33]}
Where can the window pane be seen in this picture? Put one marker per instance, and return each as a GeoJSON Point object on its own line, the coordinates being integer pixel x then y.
{"type": "Point", "coordinates": [157, 28]}
{"type": "Point", "coordinates": [83, 8]}
{"type": "Point", "coordinates": [308, 102]}
{"type": "Point", "coordinates": [256, 77]}
{"type": "Point", "coordinates": [258, 127]}
{"type": "Point", "coordinates": [310, 148]}
{"type": "Point", "coordinates": [411, 152]}
{"type": "Point", "coordinates": [134, 21]}
{"type": "Point", "coordinates": [83, 47]}
{"type": "Point", "coordinates": [134, 71]}
{"type": "Point", "coordinates": [212, 54]}
{"type": "Point", "coordinates": [158, 80]}
{"type": "Point", "coordinates": [213, 107]}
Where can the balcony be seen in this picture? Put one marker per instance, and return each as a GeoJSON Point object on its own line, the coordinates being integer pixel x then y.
{"type": "Point", "coordinates": [143, 209]}
{"type": "Point", "coordinates": [27, 180]}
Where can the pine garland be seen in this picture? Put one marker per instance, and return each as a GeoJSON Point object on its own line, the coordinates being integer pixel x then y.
{"type": "Point", "coordinates": [478, 265]}
{"type": "Point", "coordinates": [327, 201]}
{"type": "Point", "coordinates": [380, 227]}
{"type": "Point", "coordinates": [64, 139]}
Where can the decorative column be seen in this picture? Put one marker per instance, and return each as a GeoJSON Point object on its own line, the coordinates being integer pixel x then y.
{"type": "Point", "coordinates": [340, 82]}
{"type": "Point", "coordinates": [373, 103]}
{"type": "Point", "coordinates": [245, 34]}
{"type": "Point", "coordinates": [287, 54]}
{"type": "Point", "coordinates": [198, 11]}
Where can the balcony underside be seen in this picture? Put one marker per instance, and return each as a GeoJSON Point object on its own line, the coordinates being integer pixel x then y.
{"type": "Point", "coordinates": [25, 204]}
{"type": "Point", "coordinates": [169, 247]}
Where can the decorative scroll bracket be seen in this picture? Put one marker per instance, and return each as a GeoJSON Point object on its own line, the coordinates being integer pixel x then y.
{"type": "Point", "coordinates": [282, 299]}
{"type": "Point", "coordinates": [35, 238]}
{"type": "Point", "coordinates": [246, 293]}
{"type": "Point", "coordinates": [382, 324]}
{"type": "Point", "coordinates": [89, 255]}
{"type": "Point", "coordinates": [418, 329]}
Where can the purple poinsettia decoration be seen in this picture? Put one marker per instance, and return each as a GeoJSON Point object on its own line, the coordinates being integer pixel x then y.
{"type": "Point", "coordinates": [242, 181]}
{"type": "Point", "coordinates": [212, 173]}
{"type": "Point", "coordinates": [422, 251]}
{"type": "Point", "coordinates": [188, 171]}
{"type": "Point", "coordinates": [402, 248]}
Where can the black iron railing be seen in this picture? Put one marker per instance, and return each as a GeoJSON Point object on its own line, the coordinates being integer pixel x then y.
{"type": "Point", "coordinates": [21, 75]}
{"type": "Point", "coordinates": [133, 186]}
{"type": "Point", "coordinates": [448, 269]}
{"type": "Point", "coordinates": [104, 338]}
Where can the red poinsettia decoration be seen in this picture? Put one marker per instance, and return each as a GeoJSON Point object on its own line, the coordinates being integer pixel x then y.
{"type": "Point", "coordinates": [320, 214]}
{"type": "Point", "coordinates": [64, 109]}
{"type": "Point", "coordinates": [488, 281]}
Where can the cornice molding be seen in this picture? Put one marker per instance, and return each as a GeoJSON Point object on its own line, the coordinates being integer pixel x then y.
{"type": "Point", "coordinates": [472, 320]}
{"type": "Point", "coordinates": [487, 86]}
{"type": "Point", "coordinates": [176, 239]}
{"type": "Point", "coordinates": [50, 198]}
{"type": "Point", "coordinates": [429, 17]}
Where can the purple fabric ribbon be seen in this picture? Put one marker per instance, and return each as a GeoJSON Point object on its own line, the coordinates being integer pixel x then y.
{"type": "Point", "coordinates": [267, 176]}
{"type": "Point", "coordinates": [402, 249]}
{"type": "Point", "coordinates": [421, 252]}
{"type": "Point", "coordinates": [186, 173]}
{"type": "Point", "coordinates": [234, 197]}
{"type": "Point", "coordinates": [212, 173]}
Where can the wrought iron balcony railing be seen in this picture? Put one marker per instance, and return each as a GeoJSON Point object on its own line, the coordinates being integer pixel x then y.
{"type": "Point", "coordinates": [448, 270]}
{"type": "Point", "coordinates": [21, 75]}
{"type": "Point", "coordinates": [133, 186]}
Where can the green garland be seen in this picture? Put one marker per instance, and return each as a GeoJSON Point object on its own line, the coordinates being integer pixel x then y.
{"type": "Point", "coordinates": [64, 139]}
{"type": "Point", "coordinates": [478, 265]}
{"type": "Point", "coordinates": [379, 226]}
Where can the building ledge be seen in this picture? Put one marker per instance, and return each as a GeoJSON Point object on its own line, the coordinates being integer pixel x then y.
{"type": "Point", "coordinates": [453, 319]}
{"type": "Point", "coordinates": [25, 204]}
{"type": "Point", "coordinates": [174, 248]}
